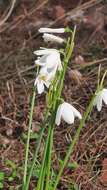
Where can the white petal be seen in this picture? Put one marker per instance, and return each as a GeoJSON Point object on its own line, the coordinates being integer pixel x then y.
{"type": "Point", "coordinates": [53, 60]}
{"type": "Point", "coordinates": [68, 117]}
{"type": "Point", "coordinates": [49, 79]}
{"type": "Point", "coordinates": [37, 62]}
{"type": "Point", "coordinates": [49, 49]}
{"type": "Point", "coordinates": [76, 113]}
{"type": "Point", "coordinates": [50, 62]}
{"type": "Point", "coordinates": [40, 87]}
{"type": "Point", "coordinates": [44, 51]}
{"type": "Point", "coordinates": [51, 74]}
{"type": "Point", "coordinates": [99, 102]}
{"type": "Point", "coordinates": [43, 71]}
{"type": "Point", "coordinates": [58, 115]}
{"type": "Point", "coordinates": [67, 113]}
{"type": "Point", "coordinates": [48, 76]}
{"type": "Point", "coordinates": [50, 37]}
{"type": "Point", "coordinates": [51, 30]}
{"type": "Point", "coordinates": [41, 60]}
{"type": "Point", "coordinates": [104, 95]}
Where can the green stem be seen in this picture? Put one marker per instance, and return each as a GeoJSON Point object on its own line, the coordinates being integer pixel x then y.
{"type": "Point", "coordinates": [49, 160]}
{"type": "Point", "coordinates": [69, 50]}
{"type": "Point", "coordinates": [35, 157]}
{"type": "Point", "coordinates": [42, 173]}
{"type": "Point", "coordinates": [76, 137]}
{"type": "Point", "coordinates": [38, 145]}
{"type": "Point", "coordinates": [68, 54]}
{"type": "Point", "coordinates": [28, 139]}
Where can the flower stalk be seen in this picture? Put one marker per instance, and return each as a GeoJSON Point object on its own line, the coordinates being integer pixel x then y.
{"type": "Point", "coordinates": [55, 95]}
{"type": "Point", "coordinates": [28, 139]}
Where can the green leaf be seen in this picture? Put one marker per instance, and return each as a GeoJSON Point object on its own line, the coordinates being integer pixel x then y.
{"type": "Point", "coordinates": [73, 165]}
{"type": "Point", "coordinates": [14, 174]}
{"type": "Point", "coordinates": [2, 176]}
{"type": "Point", "coordinates": [10, 178]}
{"type": "Point", "coordinates": [11, 164]}
{"type": "Point", "coordinates": [32, 136]}
{"type": "Point", "coordinates": [1, 185]}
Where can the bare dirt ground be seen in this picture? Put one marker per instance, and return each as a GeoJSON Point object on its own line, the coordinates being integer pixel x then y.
{"type": "Point", "coordinates": [18, 39]}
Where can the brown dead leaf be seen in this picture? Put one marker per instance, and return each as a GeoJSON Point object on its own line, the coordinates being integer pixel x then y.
{"type": "Point", "coordinates": [76, 76]}
{"type": "Point", "coordinates": [59, 11]}
{"type": "Point", "coordinates": [95, 19]}
{"type": "Point", "coordinates": [55, 12]}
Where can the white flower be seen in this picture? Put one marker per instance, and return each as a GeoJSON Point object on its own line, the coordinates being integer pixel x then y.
{"type": "Point", "coordinates": [43, 79]}
{"type": "Point", "coordinates": [100, 97]}
{"type": "Point", "coordinates": [50, 37]}
{"type": "Point", "coordinates": [66, 112]}
{"type": "Point", "coordinates": [51, 30]}
{"type": "Point", "coordinates": [50, 58]}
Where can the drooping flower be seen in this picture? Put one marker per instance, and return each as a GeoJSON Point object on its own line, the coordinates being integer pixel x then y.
{"type": "Point", "coordinates": [66, 112]}
{"type": "Point", "coordinates": [100, 97]}
{"type": "Point", "coordinates": [49, 58]}
{"type": "Point", "coordinates": [51, 30]}
{"type": "Point", "coordinates": [52, 38]}
{"type": "Point", "coordinates": [43, 79]}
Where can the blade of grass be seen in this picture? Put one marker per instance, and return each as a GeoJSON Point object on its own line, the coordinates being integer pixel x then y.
{"type": "Point", "coordinates": [49, 160]}
{"type": "Point", "coordinates": [42, 171]}
{"type": "Point", "coordinates": [38, 145]}
{"type": "Point", "coordinates": [37, 149]}
{"type": "Point", "coordinates": [34, 160]}
{"type": "Point", "coordinates": [28, 140]}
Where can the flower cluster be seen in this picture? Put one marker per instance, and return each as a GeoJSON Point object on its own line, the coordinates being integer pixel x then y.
{"type": "Point", "coordinates": [49, 61]}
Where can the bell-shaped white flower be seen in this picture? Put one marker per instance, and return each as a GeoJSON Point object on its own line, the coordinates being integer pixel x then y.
{"type": "Point", "coordinates": [43, 79]}
{"type": "Point", "coordinates": [100, 97]}
{"type": "Point", "coordinates": [51, 30]}
{"type": "Point", "coordinates": [66, 112]}
{"type": "Point", "coordinates": [49, 58]}
{"type": "Point", "coordinates": [52, 38]}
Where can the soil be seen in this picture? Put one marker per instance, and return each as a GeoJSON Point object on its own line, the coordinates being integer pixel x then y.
{"type": "Point", "coordinates": [19, 38]}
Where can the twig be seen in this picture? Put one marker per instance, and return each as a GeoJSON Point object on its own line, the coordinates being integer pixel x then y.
{"type": "Point", "coordinates": [88, 64]}
{"type": "Point", "coordinates": [9, 13]}
{"type": "Point", "coordinates": [22, 16]}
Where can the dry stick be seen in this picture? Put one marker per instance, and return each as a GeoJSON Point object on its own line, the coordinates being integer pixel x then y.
{"type": "Point", "coordinates": [23, 16]}
{"type": "Point", "coordinates": [88, 64]}
{"type": "Point", "coordinates": [9, 13]}
{"type": "Point", "coordinates": [72, 12]}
